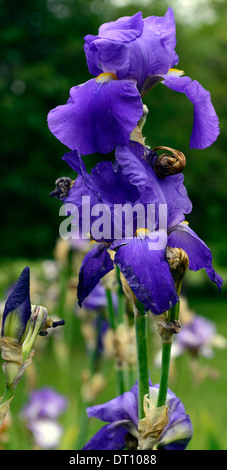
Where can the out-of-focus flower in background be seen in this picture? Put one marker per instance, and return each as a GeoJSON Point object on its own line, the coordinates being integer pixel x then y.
{"type": "Point", "coordinates": [41, 415]}
{"type": "Point", "coordinates": [198, 337]}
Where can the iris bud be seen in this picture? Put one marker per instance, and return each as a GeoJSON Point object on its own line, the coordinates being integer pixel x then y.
{"type": "Point", "coordinates": [17, 309]}
{"type": "Point", "coordinates": [36, 323]}
{"type": "Point", "coordinates": [178, 262]}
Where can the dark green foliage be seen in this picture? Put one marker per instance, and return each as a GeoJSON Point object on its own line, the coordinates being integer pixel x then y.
{"type": "Point", "coordinates": [42, 57]}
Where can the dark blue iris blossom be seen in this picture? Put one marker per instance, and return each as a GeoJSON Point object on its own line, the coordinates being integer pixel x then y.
{"type": "Point", "coordinates": [132, 180]}
{"type": "Point", "coordinates": [128, 57]}
{"type": "Point", "coordinates": [121, 414]}
{"type": "Point", "coordinates": [17, 309]}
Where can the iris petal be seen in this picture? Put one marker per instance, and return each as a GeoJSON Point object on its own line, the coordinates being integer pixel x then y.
{"type": "Point", "coordinates": [147, 273]}
{"type": "Point", "coordinates": [200, 257]}
{"type": "Point", "coordinates": [206, 125]}
{"type": "Point", "coordinates": [123, 407]}
{"type": "Point", "coordinates": [109, 437]}
{"type": "Point", "coordinates": [98, 116]}
{"type": "Point", "coordinates": [153, 190]}
{"type": "Point", "coordinates": [133, 47]}
{"type": "Point", "coordinates": [95, 265]}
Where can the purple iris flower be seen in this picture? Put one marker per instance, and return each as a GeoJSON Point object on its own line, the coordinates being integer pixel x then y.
{"type": "Point", "coordinates": [17, 309]}
{"type": "Point", "coordinates": [121, 414]}
{"type": "Point", "coordinates": [196, 336]}
{"type": "Point", "coordinates": [41, 413]}
{"type": "Point", "coordinates": [132, 180]}
{"type": "Point", "coordinates": [44, 403]}
{"type": "Point", "coordinates": [98, 115]}
{"type": "Point", "coordinates": [96, 299]}
{"type": "Point", "coordinates": [128, 57]}
{"type": "Point", "coordinates": [149, 58]}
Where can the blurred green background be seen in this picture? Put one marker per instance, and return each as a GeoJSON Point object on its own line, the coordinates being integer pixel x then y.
{"type": "Point", "coordinates": [41, 58]}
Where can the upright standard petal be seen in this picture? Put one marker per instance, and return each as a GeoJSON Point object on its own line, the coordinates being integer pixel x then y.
{"type": "Point", "coordinates": [95, 265]}
{"type": "Point", "coordinates": [147, 272]}
{"type": "Point", "coordinates": [153, 53]}
{"type": "Point", "coordinates": [99, 115]}
{"type": "Point", "coordinates": [200, 256]}
{"type": "Point", "coordinates": [106, 52]}
{"type": "Point", "coordinates": [133, 47]}
{"type": "Point", "coordinates": [153, 190]}
{"type": "Point", "coordinates": [17, 309]}
{"type": "Point", "coordinates": [206, 125]}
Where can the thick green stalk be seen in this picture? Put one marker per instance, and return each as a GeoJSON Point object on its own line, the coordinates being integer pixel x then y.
{"type": "Point", "coordinates": [121, 298]}
{"type": "Point", "coordinates": [166, 353]}
{"type": "Point", "coordinates": [142, 360]}
{"type": "Point", "coordinates": [173, 313]}
{"type": "Point", "coordinates": [110, 306]}
{"type": "Point", "coordinates": [173, 316]}
{"type": "Point", "coordinates": [113, 320]}
{"type": "Point", "coordinates": [9, 392]}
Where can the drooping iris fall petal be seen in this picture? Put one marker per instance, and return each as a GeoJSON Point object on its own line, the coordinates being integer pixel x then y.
{"type": "Point", "coordinates": [200, 256]}
{"type": "Point", "coordinates": [206, 125]}
{"type": "Point", "coordinates": [99, 115]}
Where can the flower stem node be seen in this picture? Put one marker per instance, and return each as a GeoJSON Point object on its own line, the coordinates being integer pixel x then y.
{"type": "Point", "coordinates": [151, 427]}
{"type": "Point", "coordinates": [166, 165]}
{"type": "Point", "coordinates": [167, 329]}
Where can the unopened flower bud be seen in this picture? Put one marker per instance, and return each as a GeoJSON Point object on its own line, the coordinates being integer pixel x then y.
{"type": "Point", "coordinates": [36, 323]}
{"type": "Point", "coordinates": [17, 309]}
{"type": "Point", "coordinates": [178, 261]}
{"type": "Point", "coordinates": [10, 370]}
{"type": "Point", "coordinates": [166, 165]}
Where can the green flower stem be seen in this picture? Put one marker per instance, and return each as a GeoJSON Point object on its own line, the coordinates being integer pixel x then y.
{"type": "Point", "coordinates": [173, 313]}
{"type": "Point", "coordinates": [110, 306]}
{"type": "Point", "coordinates": [142, 360]}
{"type": "Point", "coordinates": [83, 427]}
{"type": "Point", "coordinates": [166, 353]}
{"type": "Point", "coordinates": [112, 320]}
{"type": "Point", "coordinates": [121, 298]}
{"type": "Point", "coordinates": [120, 381]}
{"type": "Point", "coordinates": [9, 392]}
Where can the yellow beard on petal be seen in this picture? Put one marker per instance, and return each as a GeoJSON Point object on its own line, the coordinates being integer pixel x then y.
{"type": "Point", "coordinates": [175, 72]}
{"type": "Point", "coordinates": [142, 232]}
{"type": "Point", "coordinates": [106, 77]}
